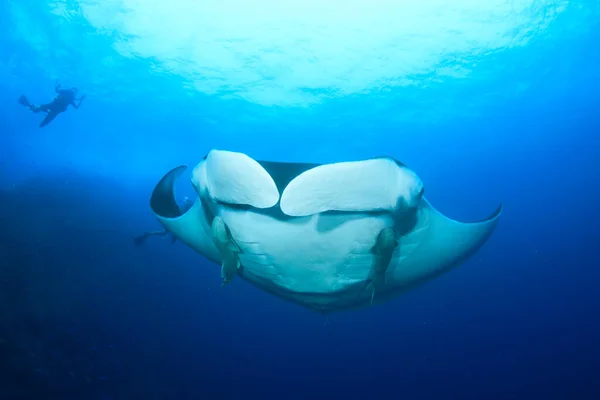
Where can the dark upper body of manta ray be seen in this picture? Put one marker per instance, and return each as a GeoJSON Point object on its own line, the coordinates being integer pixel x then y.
{"type": "Point", "coordinates": [329, 237]}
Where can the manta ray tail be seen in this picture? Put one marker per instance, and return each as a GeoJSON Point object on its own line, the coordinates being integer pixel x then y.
{"type": "Point", "coordinates": [23, 101]}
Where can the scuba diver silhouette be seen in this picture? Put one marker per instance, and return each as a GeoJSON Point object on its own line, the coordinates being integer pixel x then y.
{"type": "Point", "coordinates": [63, 99]}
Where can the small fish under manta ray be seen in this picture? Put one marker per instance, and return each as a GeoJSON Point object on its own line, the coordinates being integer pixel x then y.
{"type": "Point", "coordinates": [329, 237]}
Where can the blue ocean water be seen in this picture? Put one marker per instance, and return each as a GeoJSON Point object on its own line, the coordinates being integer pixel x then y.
{"type": "Point", "coordinates": [488, 102]}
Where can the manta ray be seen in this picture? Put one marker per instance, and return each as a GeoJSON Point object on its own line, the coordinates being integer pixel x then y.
{"type": "Point", "coordinates": [329, 237]}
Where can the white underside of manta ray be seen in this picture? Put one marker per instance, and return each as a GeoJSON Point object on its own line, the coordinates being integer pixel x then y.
{"type": "Point", "coordinates": [329, 237]}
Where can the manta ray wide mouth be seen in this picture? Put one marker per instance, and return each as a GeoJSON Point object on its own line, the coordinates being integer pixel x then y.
{"type": "Point", "coordinates": [329, 237]}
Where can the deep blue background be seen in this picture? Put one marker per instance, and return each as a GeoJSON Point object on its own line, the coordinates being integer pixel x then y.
{"type": "Point", "coordinates": [84, 314]}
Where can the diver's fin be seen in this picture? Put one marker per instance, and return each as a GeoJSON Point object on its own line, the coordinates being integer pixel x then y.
{"type": "Point", "coordinates": [139, 240]}
{"type": "Point", "coordinates": [23, 101]}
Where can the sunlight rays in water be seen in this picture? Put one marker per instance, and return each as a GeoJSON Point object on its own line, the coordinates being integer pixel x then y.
{"type": "Point", "coordinates": [297, 53]}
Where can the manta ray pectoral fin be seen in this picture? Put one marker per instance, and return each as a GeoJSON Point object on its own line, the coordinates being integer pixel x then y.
{"type": "Point", "coordinates": [450, 242]}
{"type": "Point", "coordinates": [442, 244]}
{"type": "Point", "coordinates": [190, 227]}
